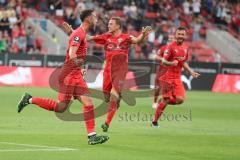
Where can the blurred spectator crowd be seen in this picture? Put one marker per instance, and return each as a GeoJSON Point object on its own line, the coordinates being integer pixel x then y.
{"type": "Point", "coordinates": [163, 15]}
{"type": "Point", "coordinates": [15, 35]}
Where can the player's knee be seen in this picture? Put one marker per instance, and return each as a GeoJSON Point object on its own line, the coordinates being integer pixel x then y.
{"type": "Point", "coordinates": [165, 100]}
{"type": "Point", "coordinates": [87, 101]}
{"type": "Point", "coordinates": [115, 96]}
{"type": "Point", "coordinates": [106, 97]}
{"type": "Point", "coordinates": [62, 107]}
{"type": "Point", "coordinates": [179, 100]}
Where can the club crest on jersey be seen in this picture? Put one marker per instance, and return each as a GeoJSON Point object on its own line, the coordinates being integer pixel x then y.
{"type": "Point", "coordinates": [166, 51]}
{"type": "Point", "coordinates": [120, 40]}
{"type": "Point", "coordinates": [76, 39]}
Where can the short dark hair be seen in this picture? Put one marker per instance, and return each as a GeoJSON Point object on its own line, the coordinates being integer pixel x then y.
{"type": "Point", "coordinates": [85, 13]}
{"type": "Point", "coordinates": [117, 20]}
{"type": "Point", "coordinates": [182, 28]}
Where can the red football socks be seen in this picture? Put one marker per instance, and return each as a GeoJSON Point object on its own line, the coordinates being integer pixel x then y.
{"type": "Point", "coordinates": [45, 103]}
{"type": "Point", "coordinates": [159, 111]}
{"type": "Point", "coordinates": [111, 111]}
{"type": "Point", "coordinates": [88, 113]}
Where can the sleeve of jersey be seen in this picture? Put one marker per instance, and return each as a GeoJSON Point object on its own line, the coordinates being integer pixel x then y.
{"type": "Point", "coordinates": [129, 39]}
{"type": "Point", "coordinates": [100, 39]}
{"type": "Point", "coordinates": [76, 40]}
{"type": "Point", "coordinates": [186, 59]}
{"type": "Point", "coordinates": [167, 53]}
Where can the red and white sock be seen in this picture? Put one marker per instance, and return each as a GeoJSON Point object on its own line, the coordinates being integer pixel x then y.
{"type": "Point", "coordinates": [159, 111]}
{"type": "Point", "coordinates": [45, 103]}
{"type": "Point", "coordinates": [111, 111]}
{"type": "Point", "coordinates": [88, 113]}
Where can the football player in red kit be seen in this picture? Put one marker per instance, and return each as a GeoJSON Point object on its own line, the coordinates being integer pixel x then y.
{"type": "Point", "coordinates": [161, 70]}
{"type": "Point", "coordinates": [116, 46]}
{"type": "Point", "coordinates": [170, 83]}
{"type": "Point", "coordinates": [72, 84]}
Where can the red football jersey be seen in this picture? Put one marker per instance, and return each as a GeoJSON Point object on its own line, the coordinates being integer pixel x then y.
{"type": "Point", "coordinates": [77, 38]}
{"type": "Point", "coordinates": [175, 52]}
{"type": "Point", "coordinates": [116, 49]}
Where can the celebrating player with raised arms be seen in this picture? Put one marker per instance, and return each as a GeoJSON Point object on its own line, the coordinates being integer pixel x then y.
{"type": "Point", "coordinates": [116, 46]}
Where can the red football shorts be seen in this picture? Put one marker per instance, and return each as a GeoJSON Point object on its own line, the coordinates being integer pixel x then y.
{"type": "Point", "coordinates": [72, 87]}
{"type": "Point", "coordinates": [114, 79]}
{"type": "Point", "coordinates": [171, 88]}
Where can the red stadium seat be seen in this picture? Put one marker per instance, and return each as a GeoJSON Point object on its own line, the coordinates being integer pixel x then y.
{"type": "Point", "coordinates": [119, 13]}
{"type": "Point", "coordinates": [151, 15]}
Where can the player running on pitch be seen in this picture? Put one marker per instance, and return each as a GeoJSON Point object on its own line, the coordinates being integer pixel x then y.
{"type": "Point", "coordinates": [161, 70]}
{"type": "Point", "coordinates": [72, 84]}
{"type": "Point", "coordinates": [170, 83]}
{"type": "Point", "coordinates": [116, 45]}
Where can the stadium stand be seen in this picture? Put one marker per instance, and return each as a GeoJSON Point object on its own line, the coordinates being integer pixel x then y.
{"type": "Point", "coordinates": [163, 15]}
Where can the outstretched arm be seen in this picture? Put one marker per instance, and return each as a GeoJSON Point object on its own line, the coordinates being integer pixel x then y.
{"type": "Point", "coordinates": [189, 70]}
{"type": "Point", "coordinates": [145, 31]}
{"type": "Point", "coordinates": [68, 30]}
{"type": "Point", "coordinates": [90, 38]}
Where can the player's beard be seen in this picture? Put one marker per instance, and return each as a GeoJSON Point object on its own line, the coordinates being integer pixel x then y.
{"type": "Point", "coordinates": [180, 40]}
{"type": "Point", "coordinates": [111, 31]}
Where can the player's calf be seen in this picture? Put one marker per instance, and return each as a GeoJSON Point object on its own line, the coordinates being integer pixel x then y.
{"type": "Point", "coordinates": [62, 107]}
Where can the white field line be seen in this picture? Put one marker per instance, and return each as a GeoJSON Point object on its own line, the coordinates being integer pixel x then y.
{"type": "Point", "coordinates": [38, 148]}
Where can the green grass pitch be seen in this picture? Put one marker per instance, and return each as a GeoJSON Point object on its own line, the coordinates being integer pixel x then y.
{"type": "Point", "coordinates": [206, 126]}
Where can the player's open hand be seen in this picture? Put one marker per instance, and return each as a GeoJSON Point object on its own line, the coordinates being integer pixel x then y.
{"type": "Point", "coordinates": [195, 74]}
{"type": "Point", "coordinates": [66, 28]}
{"type": "Point", "coordinates": [146, 30]}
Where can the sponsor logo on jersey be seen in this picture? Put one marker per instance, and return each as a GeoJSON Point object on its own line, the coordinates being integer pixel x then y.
{"type": "Point", "coordinates": [120, 40]}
